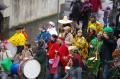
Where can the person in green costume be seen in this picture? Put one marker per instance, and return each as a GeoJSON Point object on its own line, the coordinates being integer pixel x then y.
{"type": "Point", "coordinates": [95, 46]}
{"type": "Point", "coordinates": [41, 56]}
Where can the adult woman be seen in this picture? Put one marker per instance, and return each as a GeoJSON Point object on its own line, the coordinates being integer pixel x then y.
{"type": "Point", "coordinates": [51, 28]}
{"type": "Point", "coordinates": [68, 36]}
{"type": "Point", "coordinates": [1, 25]}
{"type": "Point", "coordinates": [80, 42]}
{"type": "Point", "coordinates": [42, 58]}
{"type": "Point", "coordinates": [73, 69]}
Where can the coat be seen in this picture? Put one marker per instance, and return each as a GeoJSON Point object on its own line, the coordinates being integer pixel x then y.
{"type": "Point", "coordinates": [52, 47]}
{"type": "Point", "coordinates": [63, 52]}
{"type": "Point", "coordinates": [108, 47]}
{"type": "Point", "coordinates": [42, 58]}
{"type": "Point", "coordinates": [18, 39]}
{"type": "Point", "coordinates": [68, 39]}
{"type": "Point", "coordinates": [81, 44]}
{"type": "Point", "coordinates": [96, 4]}
{"type": "Point", "coordinates": [43, 35]}
{"type": "Point", "coordinates": [1, 24]}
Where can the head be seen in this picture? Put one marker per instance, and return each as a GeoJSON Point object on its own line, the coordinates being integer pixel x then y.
{"type": "Point", "coordinates": [108, 31]}
{"type": "Point", "coordinates": [27, 46]}
{"type": "Point", "coordinates": [51, 24]}
{"type": "Point", "coordinates": [67, 29]}
{"type": "Point", "coordinates": [56, 53]}
{"type": "Point", "coordinates": [23, 29]}
{"type": "Point", "coordinates": [42, 29]}
{"type": "Point", "coordinates": [92, 31]}
{"type": "Point", "coordinates": [54, 38]}
{"type": "Point", "coordinates": [79, 33]}
{"type": "Point", "coordinates": [18, 30]}
{"type": "Point", "coordinates": [93, 19]}
{"type": "Point", "coordinates": [99, 36]}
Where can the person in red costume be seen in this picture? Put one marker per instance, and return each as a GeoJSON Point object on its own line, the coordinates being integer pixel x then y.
{"type": "Point", "coordinates": [63, 52]}
{"type": "Point", "coordinates": [52, 47]}
{"type": "Point", "coordinates": [96, 5]}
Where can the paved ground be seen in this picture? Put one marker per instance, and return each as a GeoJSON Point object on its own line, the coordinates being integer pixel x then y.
{"type": "Point", "coordinates": [32, 27]}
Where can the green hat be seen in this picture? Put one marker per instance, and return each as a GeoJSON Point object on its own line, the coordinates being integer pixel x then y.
{"type": "Point", "coordinates": [108, 29]}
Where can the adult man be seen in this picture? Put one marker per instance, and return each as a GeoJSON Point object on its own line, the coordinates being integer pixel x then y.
{"type": "Point", "coordinates": [109, 45]}
{"type": "Point", "coordinates": [43, 35]}
{"type": "Point", "coordinates": [51, 28]}
{"type": "Point", "coordinates": [1, 25]}
{"type": "Point", "coordinates": [18, 39]}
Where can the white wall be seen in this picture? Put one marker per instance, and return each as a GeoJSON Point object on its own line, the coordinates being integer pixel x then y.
{"type": "Point", "coordinates": [23, 11]}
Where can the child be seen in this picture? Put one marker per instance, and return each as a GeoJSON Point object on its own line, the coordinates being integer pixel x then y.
{"type": "Point", "coordinates": [54, 66]}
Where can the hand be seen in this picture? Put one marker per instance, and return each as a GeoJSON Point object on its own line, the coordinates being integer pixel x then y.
{"type": "Point", "coordinates": [91, 46]}
{"type": "Point", "coordinates": [106, 36]}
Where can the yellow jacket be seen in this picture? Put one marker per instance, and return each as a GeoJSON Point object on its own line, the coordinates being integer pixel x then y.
{"type": "Point", "coordinates": [81, 43]}
{"type": "Point", "coordinates": [18, 39]}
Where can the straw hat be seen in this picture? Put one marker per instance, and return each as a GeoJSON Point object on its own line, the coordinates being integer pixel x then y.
{"type": "Point", "coordinates": [65, 20]}
{"type": "Point", "coordinates": [72, 48]}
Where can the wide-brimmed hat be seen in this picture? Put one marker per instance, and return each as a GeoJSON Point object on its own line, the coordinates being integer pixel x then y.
{"type": "Point", "coordinates": [65, 20]}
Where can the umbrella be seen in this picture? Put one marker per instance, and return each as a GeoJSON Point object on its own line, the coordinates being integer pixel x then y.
{"type": "Point", "coordinates": [2, 6]}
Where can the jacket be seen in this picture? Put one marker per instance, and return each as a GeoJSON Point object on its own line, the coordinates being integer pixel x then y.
{"type": "Point", "coordinates": [43, 35]}
{"type": "Point", "coordinates": [68, 39]}
{"type": "Point", "coordinates": [108, 47]}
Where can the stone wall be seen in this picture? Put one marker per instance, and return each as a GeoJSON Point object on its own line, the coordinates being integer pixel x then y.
{"type": "Point", "coordinates": [23, 11]}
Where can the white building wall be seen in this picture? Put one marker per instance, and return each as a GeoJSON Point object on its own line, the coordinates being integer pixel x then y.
{"type": "Point", "coordinates": [23, 11]}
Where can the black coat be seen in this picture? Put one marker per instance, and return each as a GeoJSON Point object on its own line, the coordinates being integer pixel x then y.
{"type": "Point", "coordinates": [1, 22]}
{"type": "Point", "coordinates": [42, 58]}
{"type": "Point", "coordinates": [117, 21]}
{"type": "Point", "coordinates": [108, 47]}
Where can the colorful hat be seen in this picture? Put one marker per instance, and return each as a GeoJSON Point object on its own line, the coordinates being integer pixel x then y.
{"type": "Point", "coordinates": [65, 20]}
{"type": "Point", "coordinates": [108, 29]}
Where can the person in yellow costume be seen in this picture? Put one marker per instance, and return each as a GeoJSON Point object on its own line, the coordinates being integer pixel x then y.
{"type": "Point", "coordinates": [18, 39]}
{"type": "Point", "coordinates": [96, 25]}
{"type": "Point", "coordinates": [80, 42]}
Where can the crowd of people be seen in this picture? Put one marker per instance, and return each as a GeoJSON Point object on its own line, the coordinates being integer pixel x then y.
{"type": "Point", "coordinates": [65, 53]}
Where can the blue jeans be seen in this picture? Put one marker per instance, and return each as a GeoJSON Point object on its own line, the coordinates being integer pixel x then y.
{"type": "Point", "coordinates": [56, 76]}
{"type": "Point", "coordinates": [106, 71]}
{"type": "Point", "coordinates": [105, 19]}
